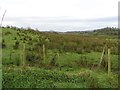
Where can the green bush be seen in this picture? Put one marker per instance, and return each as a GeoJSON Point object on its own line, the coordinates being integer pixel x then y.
{"type": "Point", "coordinates": [16, 46]}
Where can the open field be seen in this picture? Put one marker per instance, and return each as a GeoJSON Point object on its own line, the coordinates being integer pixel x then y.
{"type": "Point", "coordinates": [33, 59]}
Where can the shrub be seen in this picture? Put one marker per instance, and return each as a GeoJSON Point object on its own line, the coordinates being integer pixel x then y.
{"type": "Point", "coordinates": [16, 46]}
{"type": "Point", "coordinates": [15, 38]}
{"type": "Point", "coordinates": [3, 43]}
{"type": "Point", "coordinates": [7, 33]}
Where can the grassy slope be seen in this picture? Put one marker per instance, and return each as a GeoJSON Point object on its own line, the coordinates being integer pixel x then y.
{"type": "Point", "coordinates": [71, 67]}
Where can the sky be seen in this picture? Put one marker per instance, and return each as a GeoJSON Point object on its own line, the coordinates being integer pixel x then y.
{"type": "Point", "coordinates": [60, 15]}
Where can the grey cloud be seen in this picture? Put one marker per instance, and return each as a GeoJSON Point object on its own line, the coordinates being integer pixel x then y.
{"type": "Point", "coordinates": [62, 23]}
{"type": "Point", "coordinates": [61, 19]}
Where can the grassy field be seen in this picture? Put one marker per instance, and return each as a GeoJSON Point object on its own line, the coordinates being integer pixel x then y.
{"type": "Point", "coordinates": [32, 77]}
{"type": "Point", "coordinates": [68, 61]}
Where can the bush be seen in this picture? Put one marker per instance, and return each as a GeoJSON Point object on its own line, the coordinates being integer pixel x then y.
{"type": "Point", "coordinates": [3, 43]}
{"type": "Point", "coordinates": [33, 58]}
{"type": "Point", "coordinates": [15, 38]}
{"type": "Point", "coordinates": [7, 33]}
{"type": "Point", "coordinates": [16, 46]}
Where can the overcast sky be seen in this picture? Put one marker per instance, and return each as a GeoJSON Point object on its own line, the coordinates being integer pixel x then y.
{"type": "Point", "coordinates": [60, 15]}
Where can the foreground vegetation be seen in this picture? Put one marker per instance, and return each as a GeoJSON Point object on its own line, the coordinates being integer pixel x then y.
{"type": "Point", "coordinates": [33, 59]}
{"type": "Point", "coordinates": [69, 78]}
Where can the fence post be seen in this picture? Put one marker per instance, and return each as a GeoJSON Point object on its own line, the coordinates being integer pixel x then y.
{"type": "Point", "coordinates": [43, 53]}
{"type": "Point", "coordinates": [24, 55]}
{"type": "Point", "coordinates": [58, 56]}
{"type": "Point", "coordinates": [101, 58]}
{"type": "Point", "coordinates": [109, 62]}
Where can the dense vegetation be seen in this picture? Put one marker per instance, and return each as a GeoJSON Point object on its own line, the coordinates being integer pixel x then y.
{"type": "Point", "coordinates": [42, 78]}
{"type": "Point", "coordinates": [33, 58]}
{"type": "Point", "coordinates": [104, 31]}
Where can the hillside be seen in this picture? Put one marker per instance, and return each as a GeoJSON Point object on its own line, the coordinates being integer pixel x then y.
{"type": "Point", "coordinates": [36, 59]}
{"type": "Point", "coordinates": [102, 31]}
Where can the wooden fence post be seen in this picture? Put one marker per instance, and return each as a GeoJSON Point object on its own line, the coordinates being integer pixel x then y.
{"type": "Point", "coordinates": [101, 58]}
{"type": "Point", "coordinates": [43, 53]}
{"type": "Point", "coordinates": [58, 56]}
{"type": "Point", "coordinates": [109, 62]}
{"type": "Point", "coordinates": [24, 54]}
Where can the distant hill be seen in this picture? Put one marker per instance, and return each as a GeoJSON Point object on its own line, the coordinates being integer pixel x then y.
{"type": "Point", "coordinates": [103, 31]}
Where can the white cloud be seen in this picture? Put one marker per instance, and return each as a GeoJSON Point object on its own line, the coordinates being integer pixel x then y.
{"type": "Point", "coordinates": [46, 11]}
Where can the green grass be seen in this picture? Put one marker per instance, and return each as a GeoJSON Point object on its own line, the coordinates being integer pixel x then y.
{"type": "Point", "coordinates": [41, 78]}
{"type": "Point", "coordinates": [72, 70]}
{"type": "Point", "coordinates": [65, 59]}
